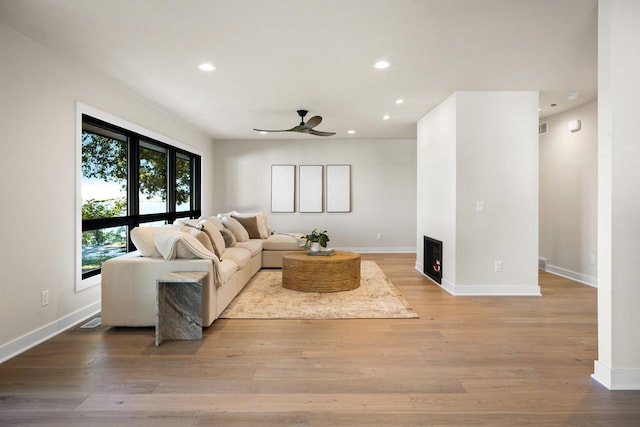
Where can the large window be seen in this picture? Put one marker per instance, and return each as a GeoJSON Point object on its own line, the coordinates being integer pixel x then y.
{"type": "Point", "coordinates": [129, 180]}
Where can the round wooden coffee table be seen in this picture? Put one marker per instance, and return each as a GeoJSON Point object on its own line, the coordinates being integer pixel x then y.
{"type": "Point", "coordinates": [315, 273]}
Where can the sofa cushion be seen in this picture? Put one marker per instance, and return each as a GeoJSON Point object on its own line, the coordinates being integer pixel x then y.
{"type": "Point", "coordinates": [250, 223]}
{"type": "Point", "coordinates": [284, 242]}
{"type": "Point", "coordinates": [240, 256]}
{"type": "Point", "coordinates": [142, 238]}
{"type": "Point", "coordinates": [226, 268]}
{"type": "Point", "coordinates": [263, 223]}
{"type": "Point", "coordinates": [254, 246]}
{"type": "Point", "coordinates": [216, 238]}
{"type": "Point", "coordinates": [229, 238]}
{"type": "Point", "coordinates": [236, 228]}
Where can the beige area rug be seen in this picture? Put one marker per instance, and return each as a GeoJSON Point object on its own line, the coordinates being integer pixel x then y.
{"type": "Point", "coordinates": [265, 298]}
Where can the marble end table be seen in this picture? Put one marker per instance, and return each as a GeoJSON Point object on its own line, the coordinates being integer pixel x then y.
{"type": "Point", "coordinates": [179, 306]}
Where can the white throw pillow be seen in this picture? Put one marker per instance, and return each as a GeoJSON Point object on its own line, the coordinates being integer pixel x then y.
{"type": "Point", "coordinates": [142, 238]}
{"type": "Point", "coordinates": [214, 220]}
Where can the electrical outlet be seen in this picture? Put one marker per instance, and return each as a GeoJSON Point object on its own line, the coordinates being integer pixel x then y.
{"type": "Point", "coordinates": [592, 259]}
{"type": "Point", "coordinates": [44, 298]}
{"type": "Point", "coordinates": [379, 236]}
{"type": "Point", "coordinates": [480, 206]}
{"type": "Point", "coordinates": [497, 266]}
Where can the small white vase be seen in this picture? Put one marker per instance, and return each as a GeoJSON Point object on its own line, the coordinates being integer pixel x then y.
{"type": "Point", "coordinates": [315, 246]}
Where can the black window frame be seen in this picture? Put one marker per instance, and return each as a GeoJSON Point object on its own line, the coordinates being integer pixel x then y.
{"type": "Point", "coordinates": [133, 217]}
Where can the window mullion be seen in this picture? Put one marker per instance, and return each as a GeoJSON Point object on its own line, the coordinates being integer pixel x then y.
{"type": "Point", "coordinates": [171, 184]}
{"type": "Point", "coordinates": [133, 171]}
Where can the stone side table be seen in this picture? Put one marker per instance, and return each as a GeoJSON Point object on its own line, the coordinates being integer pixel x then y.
{"type": "Point", "coordinates": [179, 306]}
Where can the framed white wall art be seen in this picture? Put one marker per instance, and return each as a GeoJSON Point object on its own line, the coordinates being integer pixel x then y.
{"type": "Point", "coordinates": [338, 188]}
{"type": "Point", "coordinates": [310, 188]}
{"type": "Point", "coordinates": [283, 188]}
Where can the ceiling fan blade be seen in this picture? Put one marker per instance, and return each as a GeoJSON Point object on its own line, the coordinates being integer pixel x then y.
{"type": "Point", "coordinates": [302, 127]}
{"type": "Point", "coordinates": [313, 122]}
{"type": "Point", "coordinates": [320, 133]}
{"type": "Point", "coordinates": [271, 130]}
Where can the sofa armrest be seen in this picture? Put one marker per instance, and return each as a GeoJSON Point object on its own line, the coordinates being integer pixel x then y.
{"type": "Point", "coordinates": [129, 288]}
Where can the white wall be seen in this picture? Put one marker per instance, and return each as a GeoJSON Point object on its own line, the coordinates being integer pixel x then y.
{"type": "Point", "coordinates": [37, 182]}
{"type": "Point", "coordinates": [618, 364]}
{"type": "Point", "coordinates": [383, 187]}
{"type": "Point", "coordinates": [436, 184]}
{"type": "Point", "coordinates": [569, 194]}
{"type": "Point", "coordinates": [496, 163]}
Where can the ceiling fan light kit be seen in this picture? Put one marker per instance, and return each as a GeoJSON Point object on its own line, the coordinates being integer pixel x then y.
{"type": "Point", "coordinates": [303, 127]}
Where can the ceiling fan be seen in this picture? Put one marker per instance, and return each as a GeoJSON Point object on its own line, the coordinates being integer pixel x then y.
{"type": "Point", "coordinates": [303, 127]}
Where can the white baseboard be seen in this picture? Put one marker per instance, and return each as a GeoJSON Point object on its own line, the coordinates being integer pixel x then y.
{"type": "Point", "coordinates": [31, 339]}
{"type": "Point", "coordinates": [484, 290]}
{"type": "Point", "coordinates": [616, 379]}
{"type": "Point", "coordinates": [380, 250]}
{"type": "Point", "coordinates": [493, 290]}
{"type": "Point", "coordinates": [578, 277]}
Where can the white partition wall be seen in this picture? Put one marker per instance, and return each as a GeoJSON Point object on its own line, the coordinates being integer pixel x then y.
{"type": "Point", "coordinates": [477, 191]}
{"type": "Point", "coordinates": [618, 364]}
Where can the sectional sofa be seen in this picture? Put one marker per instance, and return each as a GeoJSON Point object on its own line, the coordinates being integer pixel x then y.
{"type": "Point", "coordinates": [230, 247]}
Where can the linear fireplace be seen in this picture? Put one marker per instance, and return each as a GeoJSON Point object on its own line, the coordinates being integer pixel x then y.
{"type": "Point", "coordinates": [432, 261]}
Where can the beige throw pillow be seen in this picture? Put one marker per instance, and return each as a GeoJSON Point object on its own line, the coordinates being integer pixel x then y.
{"type": "Point", "coordinates": [237, 229]}
{"type": "Point", "coordinates": [201, 237]}
{"type": "Point", "coordinates": [214, 235]}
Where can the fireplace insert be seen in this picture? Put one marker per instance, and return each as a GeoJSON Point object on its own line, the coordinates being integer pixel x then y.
{"type": "Point", "coordinates": [432, 262]}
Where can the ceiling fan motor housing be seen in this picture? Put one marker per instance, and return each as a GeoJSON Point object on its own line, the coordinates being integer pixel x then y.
{"type": "Point", "coordinates": [302, 113]}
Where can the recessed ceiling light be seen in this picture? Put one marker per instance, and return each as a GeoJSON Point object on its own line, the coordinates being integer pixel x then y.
{"type": "Point", "coordinates": [206, 67]}
{"type": "Point", "coordinates": [573, 95]}
{"type": "Point", "coordinates": [386, 117]}
{"type": "Point", "coordinates": [553, 105]}
{"type": "Point", "coordinates": [263, 132]}
{"type": "Point", "coordinates": [351, 131]}
{"type": "Point", "coordinates": [382, 64]}
{"type": "Point", "coordinates": [399, 101]}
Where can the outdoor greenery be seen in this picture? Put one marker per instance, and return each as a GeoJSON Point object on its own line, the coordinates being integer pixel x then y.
{"type": "Point", "coordinates": [106, 159]}
{"type": "Point", "coordinates": [102, 209]}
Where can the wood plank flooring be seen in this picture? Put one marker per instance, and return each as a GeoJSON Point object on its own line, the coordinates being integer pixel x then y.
{"type": "Point", "coordinates": [468, 361]}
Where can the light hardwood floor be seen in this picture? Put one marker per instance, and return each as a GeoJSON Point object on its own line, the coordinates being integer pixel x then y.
{"type": "Point", "coordinates": [468, 361]}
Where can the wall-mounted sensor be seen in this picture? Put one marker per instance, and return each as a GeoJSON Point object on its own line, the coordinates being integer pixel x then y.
{"type": "Point", "coordinates": [574, 125]}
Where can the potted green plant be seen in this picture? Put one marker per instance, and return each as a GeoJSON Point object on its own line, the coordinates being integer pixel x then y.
{"type": "Point", "coordinates": [316, 239]}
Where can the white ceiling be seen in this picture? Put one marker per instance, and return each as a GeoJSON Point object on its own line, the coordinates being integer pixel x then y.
{"type": "Point", "coordinates": [276, 56]}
